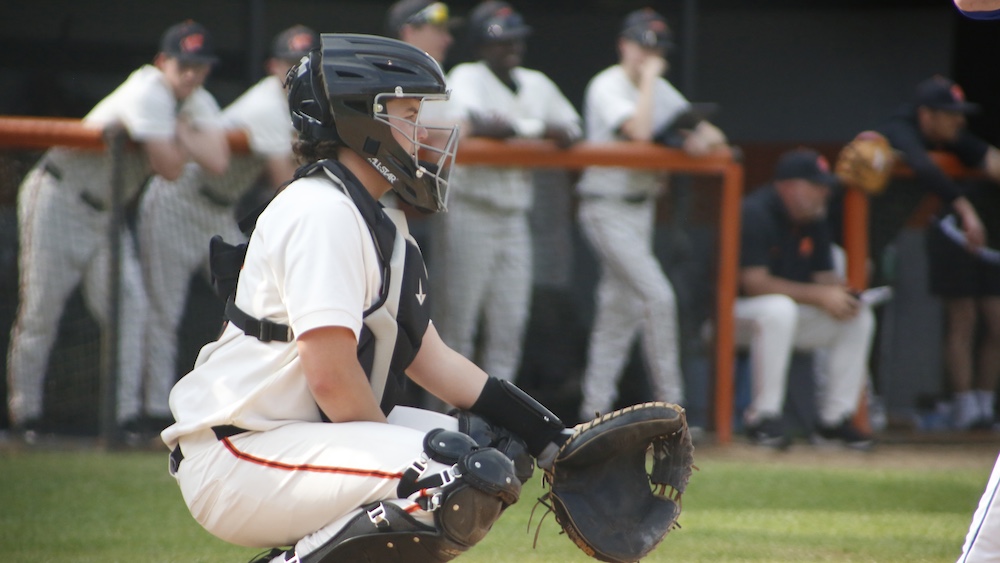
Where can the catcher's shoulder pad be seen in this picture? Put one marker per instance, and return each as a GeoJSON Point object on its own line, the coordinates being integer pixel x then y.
{"type": "Point", "coordinates": [601, 492]}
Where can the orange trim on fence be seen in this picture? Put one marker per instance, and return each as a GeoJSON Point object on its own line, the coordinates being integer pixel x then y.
{"type": "Point", "coordinates": [40, 133]}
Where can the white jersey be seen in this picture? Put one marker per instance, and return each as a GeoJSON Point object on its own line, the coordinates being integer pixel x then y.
{"type": "Point", "coordinates": [476, 90]}
{"type": "Point", "coordinates": [609, 101]}
{"type": "Point", "coordinates": [321, 270]}
{"type": "Point", "coordinates": [145, 105]}
{"type": "Point", "coordinates": [262, 112]}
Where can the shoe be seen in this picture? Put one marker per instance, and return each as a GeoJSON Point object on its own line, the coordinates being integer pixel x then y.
{"type": "Point", "coordinates": [769, 432]}
{"type": "Point", "coordinates": [30, 431]}
{"type": "Point", "coordinates": [841, 434]}
{"type": "Point", "coordinates": [269, 556]}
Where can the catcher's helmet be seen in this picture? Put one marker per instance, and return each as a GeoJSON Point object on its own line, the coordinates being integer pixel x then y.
{"type": "Point", "coordinates": [339, 93]}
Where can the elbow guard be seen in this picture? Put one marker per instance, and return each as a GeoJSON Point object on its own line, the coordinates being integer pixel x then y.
{"type": "Point", "coordinates": [504, 404]}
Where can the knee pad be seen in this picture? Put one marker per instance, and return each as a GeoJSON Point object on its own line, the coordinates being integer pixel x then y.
{"type": "Point", "coordinates": [466, 499]}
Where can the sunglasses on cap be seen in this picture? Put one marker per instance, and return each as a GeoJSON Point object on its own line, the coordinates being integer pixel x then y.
{"type": "Point", "coordinates": [434, 14]}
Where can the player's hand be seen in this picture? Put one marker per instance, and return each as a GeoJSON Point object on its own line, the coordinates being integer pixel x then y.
{"type": "Point", "coordinates": [975, 232]}
{"type": "Point", "coordinates": [490, 125]}
{"type": "Point", "coordinates": [839, 301]}
{"type": "Point", "coordinates": [561, 135]}
{"type": "Point", "coordinates": [704, 139]}
{"type": "Point", "coordinates": [653, 67]}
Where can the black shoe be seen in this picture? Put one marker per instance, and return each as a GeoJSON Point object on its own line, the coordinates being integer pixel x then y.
{"type": "Point", "coordinates": [841, 434]}
{"type": "Point", "coordinates": [769, 432]}
{"type": "Point", "coordinates": [269, 555]}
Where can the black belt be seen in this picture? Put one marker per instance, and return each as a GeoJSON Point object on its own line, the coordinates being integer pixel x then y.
{"type": "Point", "coordinates": [634, 199]}
{"type": "Point", "coordinates": [91, 200]}
{"type": "Point", "coordinates": [176, 456]}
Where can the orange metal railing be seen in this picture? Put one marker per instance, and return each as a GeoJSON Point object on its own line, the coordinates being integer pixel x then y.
{"type": "Point", "coordinates": [40, 133]}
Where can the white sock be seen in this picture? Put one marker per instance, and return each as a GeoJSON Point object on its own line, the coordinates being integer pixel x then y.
{"type": "Point", "coordinates": [966, 409]}
{"type": "Point", "coordinates": [985, 400]}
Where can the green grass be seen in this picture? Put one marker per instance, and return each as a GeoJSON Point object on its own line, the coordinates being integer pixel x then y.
{"type": "Point", "coordinates": [105, 507]}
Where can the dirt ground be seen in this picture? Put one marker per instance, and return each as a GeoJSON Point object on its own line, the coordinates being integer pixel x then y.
{"type": "Point", "coordinates": [937, 452]}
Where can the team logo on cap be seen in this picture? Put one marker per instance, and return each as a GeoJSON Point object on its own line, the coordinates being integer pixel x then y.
{"type": "Point", "coordinates": [192, 43]}
{"type": "Point", "coordinates": [957, 93]}
{"type": "Point", "coordinates": [300, 42]}
{"type": "Point", "coordinates": [823, 164]}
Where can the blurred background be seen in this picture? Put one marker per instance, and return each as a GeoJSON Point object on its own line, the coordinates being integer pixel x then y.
{"type": "Point", "coordinates": [783, 73]}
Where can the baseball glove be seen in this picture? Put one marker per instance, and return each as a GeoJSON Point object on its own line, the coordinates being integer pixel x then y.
{"type": "Point", "coordinates": [600, 490]}
{"type": "Point", "coordinates": [866, 162]}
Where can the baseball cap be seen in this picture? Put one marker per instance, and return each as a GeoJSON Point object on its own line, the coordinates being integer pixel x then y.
{"type": "Point", "coordinates": [189, 42]}
{"type": "Point", "coordinates": [294, 43]}
{"type": "Point", "coordinates": [805, 164]}
{"type": "Point", "coordinates": [938, 92]}
{"type": "Point", "coordinates": [417, 12]}
{"type": "Point", "coordinates": [496, 21]}
{"type": "Point", "coordinates": [648, 28]}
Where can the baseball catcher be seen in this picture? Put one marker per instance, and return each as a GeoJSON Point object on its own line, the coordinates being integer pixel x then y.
{"type": "Point", "coordinates": [866, 162]}
{"type": "Point", "coordinates": [599, 487]}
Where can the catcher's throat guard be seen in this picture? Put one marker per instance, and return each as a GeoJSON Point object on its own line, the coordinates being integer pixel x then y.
{"type": "Point", "coordinates": [601, 492]}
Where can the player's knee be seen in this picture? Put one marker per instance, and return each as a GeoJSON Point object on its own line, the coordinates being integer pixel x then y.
{"type": "Point", "coordinates": [778, 313]}
{"type": "Point", "coordinates": [466, 499]}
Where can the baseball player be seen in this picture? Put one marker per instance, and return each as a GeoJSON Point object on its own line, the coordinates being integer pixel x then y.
{"type": "Point", "coordinates": [423, 24]}
{"type": "Point", "coordinates": [63, 209]}
{"type": "Point", "coordinates": [632, 101]}
{"type": "Point", "coordinates": [969, 287]}
{"type": "Point", "coordinates": [792, 298]}
{"type": "Point", "coordinates": [982, 543]}
{"type": "Point", "coordinates": [483, 245]}
{"type": "Point", "coordinates": [281, 435]}
{"type": "Point", "coordinates": [177, 218]}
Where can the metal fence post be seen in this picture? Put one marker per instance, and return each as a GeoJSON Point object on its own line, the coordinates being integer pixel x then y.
{"type": "Point", "coordinates": [109, 435]}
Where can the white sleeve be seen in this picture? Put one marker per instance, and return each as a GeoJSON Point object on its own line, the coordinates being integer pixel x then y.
{"type": "Point", "coordinates": [202, 109]}
{"type": "Point", "coordinates": [262, 111]}
{"type": "Point", "coordinates": [609, 104]}
{"type": "Point", "coordinates": [321, 264]}
{"type": "Point", "coordinates": [148, 110]}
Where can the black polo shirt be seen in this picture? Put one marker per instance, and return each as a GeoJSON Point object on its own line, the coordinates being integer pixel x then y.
{"type": "Point", "coordinates": [769, 238]}
{"type": "Point", "coordinates": [904, 135]}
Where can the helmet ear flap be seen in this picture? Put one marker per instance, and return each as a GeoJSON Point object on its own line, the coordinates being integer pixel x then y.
{"type": "Point", "coordinates": [308, 103]}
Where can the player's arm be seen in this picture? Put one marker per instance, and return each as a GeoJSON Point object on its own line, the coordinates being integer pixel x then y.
{"type": "Point", "coordinates": [329, 357]}
{"type": "Point", "coordinates": [207, 146]}
{"type": "Point", "coordinates": [991, 164]}
{"type": "Point", "coordinates": [832, 297]}
{"type": "Point", "coordinates": [445, 373]}
{"type": "Point", "coordinates": [639, 127]}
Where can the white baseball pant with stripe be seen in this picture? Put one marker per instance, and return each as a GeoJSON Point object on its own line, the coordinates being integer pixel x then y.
{"type": "Point", "coordinates": [982, 543]}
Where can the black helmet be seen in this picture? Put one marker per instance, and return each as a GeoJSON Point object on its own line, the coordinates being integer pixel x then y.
{"type": "Point", "coordinates": [338, 93]}
{"type": "Point", "coordinates": [494, 20]}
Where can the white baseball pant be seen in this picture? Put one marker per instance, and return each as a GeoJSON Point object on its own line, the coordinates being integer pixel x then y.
{"type": "Point", "coordinates": [775, 325]}
{"type": "Point", "coordinates": [633, 295]}
{"type": "Point", "coordinates": [301, 481]}
{"type": "Point", "coordinates": [982, 542]}
{"type": "Point", "coordinates": [64, 241]}
{"type": "Point", "coordinates": [175, 225]}
{"type": "Point", "coordinates": [484, 272]}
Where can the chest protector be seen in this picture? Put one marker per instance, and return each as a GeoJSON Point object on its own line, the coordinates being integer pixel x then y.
{"type": "Point", "coordinates": [394, 325]}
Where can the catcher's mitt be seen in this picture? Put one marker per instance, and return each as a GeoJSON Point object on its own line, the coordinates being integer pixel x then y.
{"type": "Point", "coordinates": [866, 162]}
{"type": "Point", "coordinates": [600, 490]}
